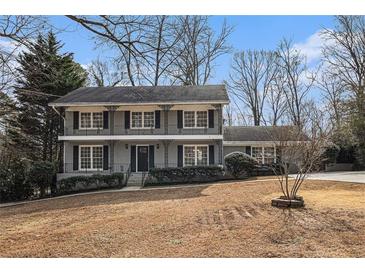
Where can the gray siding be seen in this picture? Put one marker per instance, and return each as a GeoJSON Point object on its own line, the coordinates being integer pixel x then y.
{"type": "Point", "coordinates": [230, 149]}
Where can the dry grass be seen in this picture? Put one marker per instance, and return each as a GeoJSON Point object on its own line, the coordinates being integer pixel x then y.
{"type": "Point", "coordinates": [221, 220]}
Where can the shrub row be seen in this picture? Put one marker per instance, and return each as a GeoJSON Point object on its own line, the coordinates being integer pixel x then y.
{"type": "Point", "coordinates": [191, 174]}
{"type": "Point", "coordinates": [93, 182]}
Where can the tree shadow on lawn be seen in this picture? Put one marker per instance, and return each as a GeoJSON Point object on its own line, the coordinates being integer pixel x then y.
{"type": "Point", "coordinates": [108, 198]}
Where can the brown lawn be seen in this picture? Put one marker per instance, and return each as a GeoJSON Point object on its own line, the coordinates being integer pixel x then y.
{"type": "Point", "coordinates": [220, 220]}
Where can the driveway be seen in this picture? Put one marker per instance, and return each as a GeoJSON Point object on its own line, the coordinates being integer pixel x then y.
{"type": "Point", "coordinates": [343, 176]}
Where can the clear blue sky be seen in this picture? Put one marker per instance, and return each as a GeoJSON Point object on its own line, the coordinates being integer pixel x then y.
{"type": "Point", "coordinates": [250, 32]}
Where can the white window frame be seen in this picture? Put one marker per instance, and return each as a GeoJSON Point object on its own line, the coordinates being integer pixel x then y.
{"type": "Point", "coordinates": [195, 118]}
{"type": "Point", "coordinates": [263, 153]}
{"type": "Point", "coordinates": [92, 120]}
{"type": "Point", "coordinates": [91, 157]}
{"type": "Point", "coordinates": [195, 153]}
{"type": "Point", "coordinates": [143, 127]}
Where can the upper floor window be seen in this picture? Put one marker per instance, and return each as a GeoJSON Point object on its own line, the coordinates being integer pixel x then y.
{"type": "Point", "coordinates": [145, 119]}
{"type": "Point", "coordinates": [197, 119]}
{"type": "Point", "coordinates": [91, 120]}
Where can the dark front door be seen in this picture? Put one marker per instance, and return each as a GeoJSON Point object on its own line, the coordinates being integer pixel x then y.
{"type": "Point", "coordinates": [142, 158]}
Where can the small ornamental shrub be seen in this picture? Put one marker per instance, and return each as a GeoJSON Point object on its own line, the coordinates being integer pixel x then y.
{"type": "Point", "coordinates": [41, 175]}
{"type": "Point", "coordinates": [96, 181]}
{"type": "Point", "coordinates": [239, 163]}
{"type": "Point", "coordinates": [180, 175]}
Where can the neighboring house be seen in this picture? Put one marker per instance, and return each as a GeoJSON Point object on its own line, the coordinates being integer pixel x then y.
{"type": "Point", "coordinates": [113, 129]}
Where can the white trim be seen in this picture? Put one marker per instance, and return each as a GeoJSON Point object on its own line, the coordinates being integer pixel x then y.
{"type": "Point", "coordinates": [263, 152]}
{"type": "Point", "coordinates": [140, 137]}
{"type": "Point", "coordinates": [248, 143]}
{"type": "Point", "coordinates": [195, 119]}
{"type": "Point", "coordinates": [148, 156]}
{"type": "Point", "coordinates": [91, 157]}
{"type": "Point", "coordinates": [224, 102]}
{"type": "Point", "coordinates": [143, 127]}
{"type": "Point", "coordinates": [195, 153]}
{"type": "Point", "coordinates": [92, 120]}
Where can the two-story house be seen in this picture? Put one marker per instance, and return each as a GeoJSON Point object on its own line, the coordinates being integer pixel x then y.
{"type": "Point", "coordinates": [113, 129]}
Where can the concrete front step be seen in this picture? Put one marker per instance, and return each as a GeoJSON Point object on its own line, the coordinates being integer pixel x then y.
{"type": "Point", "coordinates": [135, 179]}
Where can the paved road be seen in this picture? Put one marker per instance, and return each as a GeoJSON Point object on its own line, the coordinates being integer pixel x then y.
{"type": "Point", "coordinates": [343, 176]}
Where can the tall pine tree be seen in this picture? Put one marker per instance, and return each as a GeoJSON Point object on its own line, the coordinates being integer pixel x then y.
{"type": "Point", "coordinates": [44, 74]}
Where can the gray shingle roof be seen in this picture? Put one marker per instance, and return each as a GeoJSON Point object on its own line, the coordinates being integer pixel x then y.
{"type": "Point", "coordinates": [143, 95]}
{"type": "Point", "coordinates": [259, 133]}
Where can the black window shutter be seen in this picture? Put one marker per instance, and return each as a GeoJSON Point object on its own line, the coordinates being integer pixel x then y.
{"type": "Point", "coordinates": [211, 118]}
{"type": "Point", "coordinates": [127, 119]}
{"type": "Point", "coordinates": [76, 158]}
{"type": "Point", "coordinates": [105, 119]}
{"type": "Point", "coordinates": [248, 150]}
{"type": "Point", "coordinates": [157, 118]}
{"type": "Point", "coordinates": [105, 157]}
{"type": "Point", "coordinates": [133, 158]}
{"type": "Point", "coordinates": [278, 154]}
{"type": "Point", "coordinates": [179, 119]}
{"type": "Point", "coordinates": [76, 120]}
{"type": "Point", "coordinates": [179, 155]}
{"type": "Point", "coordinates": [211, 155]}
{"type": "Point", "coordinates": [151, 156]}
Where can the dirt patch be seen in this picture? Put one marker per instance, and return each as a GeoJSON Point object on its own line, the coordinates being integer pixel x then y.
{"type": "Point", "coordinates": [221, 220]}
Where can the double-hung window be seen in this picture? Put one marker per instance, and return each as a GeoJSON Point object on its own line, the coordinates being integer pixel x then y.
{"type": "Point", "coordinates": [145, 119]}
{"type": "Point", "coordinates": [91, 157]}
{"type": "Point", "coordinates": [195, 155]}
{"type": "Point", "coordinates": [264, 155]}
{"type": "Point", "coordinates": [195, 119]}
{"type": "Point", "coordinates": [91, 120]}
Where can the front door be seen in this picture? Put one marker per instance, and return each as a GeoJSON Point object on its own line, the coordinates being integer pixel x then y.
{"type": "Point", "coordinates": [142, 158]}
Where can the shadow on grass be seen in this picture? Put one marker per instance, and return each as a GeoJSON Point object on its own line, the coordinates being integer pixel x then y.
{"type": "Point", "coordinates": [110, 198]}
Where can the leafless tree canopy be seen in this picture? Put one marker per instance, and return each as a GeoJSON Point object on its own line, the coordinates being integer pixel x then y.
{"type": "Point", "coordinates": [104, 74]}
{"type": "Point", "coordinates": [296, 80]}
{"type": "Point", "coordinates": [251, 80]}
{"type": "Point", "coordinates": [345, 56]}
{"type": "Point", "coordinates": [160, 49]}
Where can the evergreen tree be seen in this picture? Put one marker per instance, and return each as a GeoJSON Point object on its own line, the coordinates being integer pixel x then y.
{"type": "Point", "coordinates": [44, 75]}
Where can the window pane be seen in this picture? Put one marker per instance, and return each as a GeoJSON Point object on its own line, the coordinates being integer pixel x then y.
{"type": "Point", "coordinates": [85, 120]}
{"type": "Point", "coordinates": [85, 157]}
{"type": "Point", "coordinates": [97, 120]}
{"type": "Point", "coordinates": [257, 153]}
{"type": "Point", "coordinates": [97, 157]}
{"type": "Point", "coordinates": [149, 119]}
{"type": "Point", "coordinates": [137, 119]}
{"type": "Point", "coordinates": [268, 155]}
{"type": "Point", "coordinates": [201, 155]}
{"type": "Point", "coordinates": [189, 155]}
{"type": "Point", "coordinates": [201, 119]}
{"type": "Point", "coordinates": [189, 118]}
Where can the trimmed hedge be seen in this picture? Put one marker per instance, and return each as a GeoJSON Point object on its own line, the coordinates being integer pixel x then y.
{"type": "Point", "coordinates": [93, 182]}
{"type": "Point", "coordinates": [181, 175]}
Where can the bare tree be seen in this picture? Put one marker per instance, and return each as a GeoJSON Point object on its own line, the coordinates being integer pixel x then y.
{"type": "Point", "coordinates": [251, 79]}
{"type": "Point", "coordinates": [197, 50]}
{"type": "Point", "coordinates": [297, 81]}
{"type": "Point", "coordinates": [334, 95]}
{"type": "Point", "coordinates": [105, 74]}
{"type": "Point", "coordinates": [344, 56]}
{"type": "Point", "coordinates": [276, 101]}
{"type": "Point", "coordinates": [299, 152]}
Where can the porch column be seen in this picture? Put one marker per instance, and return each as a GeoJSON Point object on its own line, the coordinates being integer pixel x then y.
{"type": "Point", "coordinates": [220, 151]}
{"type": "Point", "coordinates": [218, 107]}
{"type": "Point", "coordinates": [166, 144]}
{"type": "Point", "coordinates": [166, 109]}
{"type": "Point", "coordinates": [111, 110]}
{"type": "Point", "coordinates": [111, 155]}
